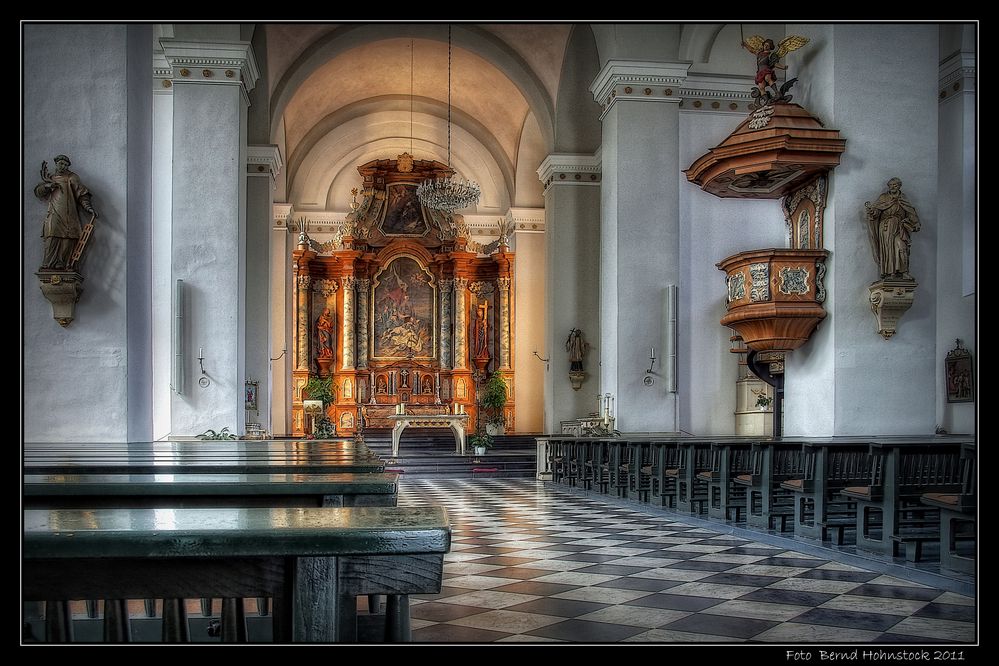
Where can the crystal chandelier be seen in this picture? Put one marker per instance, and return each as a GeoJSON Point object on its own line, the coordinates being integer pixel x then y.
{"type": "Point", "coordinates": [451, 193]}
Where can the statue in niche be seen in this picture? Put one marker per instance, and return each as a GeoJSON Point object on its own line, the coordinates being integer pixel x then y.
{"type": "Point", "coordinates": [382, 385]}
{"type": "Point", "coordinates": [480, 335]}
{"type": "Point", "coordinates": [64, 238]}
{"type": "Point", "coordinates": [768, 59]}
{"type": "Point", "coordinates": [576, 347]}
{"type": "Point", "coordinates": [325, 328]}
{"type": "Point", "coordinates": [890, 222]}
{"type": "Point", "coordinates": [428, 385]}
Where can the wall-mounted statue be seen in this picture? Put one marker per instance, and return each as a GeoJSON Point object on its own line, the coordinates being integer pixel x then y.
{"type": "Point", "coordinates": [891, 220]}
{"type": "Point", "coordinates": [63, 237]}
{"type": "Point", "coordinates": [61, 228]}
{"type": "Point", "coordinates": [576, 347]}
{"type": "Point", "coordinates": [768, 59]}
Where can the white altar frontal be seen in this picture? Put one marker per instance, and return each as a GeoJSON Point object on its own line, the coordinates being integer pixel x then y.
{"type": "Point", "coordinates": [456, 422]}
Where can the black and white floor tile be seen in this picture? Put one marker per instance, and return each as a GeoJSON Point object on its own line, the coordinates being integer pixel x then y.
{"type": "Point", "coordinates": [531, 562]}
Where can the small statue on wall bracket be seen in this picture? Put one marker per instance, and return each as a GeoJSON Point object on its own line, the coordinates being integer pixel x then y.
{"type": "Point", "coordinates": [64, 237]}
{"type": "Point", "coordinates": [768, 59]}
{"type": "Point", "coordinates": [576, 347]}
{"type": "Point", "coordinates": [891, 220]}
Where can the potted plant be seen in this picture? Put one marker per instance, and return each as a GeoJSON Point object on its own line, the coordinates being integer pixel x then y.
{"type": "Point", "coordinates": [763, 401]}
{"type": "Point", "coordinates": [319, 388]}
{"type": "Point", "coordinates": [480, 442]}
{"type": "Point", "coordinates": [493, 402]}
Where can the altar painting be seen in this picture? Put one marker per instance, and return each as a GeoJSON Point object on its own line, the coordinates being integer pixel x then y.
{"type": "Point", "coordinates": [403, 313]}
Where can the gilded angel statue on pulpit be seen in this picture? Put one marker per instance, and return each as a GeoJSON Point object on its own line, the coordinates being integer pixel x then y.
{"type": "Point", "coordinates": [768, 59]}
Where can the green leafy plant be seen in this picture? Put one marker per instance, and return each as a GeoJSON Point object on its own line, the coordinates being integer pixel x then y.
{"type": "Point", "coordinates": [494, 399]}
{"type": "Point", "coordinates": [481, 440]}
{"type": "Point", "coordinates": [321, 389]}
{"type": "Point", "coordinates": [763, 400]}
{"type": "Point", "coordinates": [222, 434]}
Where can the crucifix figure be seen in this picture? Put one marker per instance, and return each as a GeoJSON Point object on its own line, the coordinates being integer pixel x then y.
{"type": "Point", "coordinates": [405, 378]}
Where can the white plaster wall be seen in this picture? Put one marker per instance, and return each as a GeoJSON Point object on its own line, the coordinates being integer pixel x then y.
{"type": "Point", "coordinates": [881, 387]}
{"type": "Point", "coordinates": [529, 335]}
{"type": "Point", "coordinates": [162, 297]}
{"type": "Point", "coordinates": [955, 310]}
{"type": "Point", "coordinates": [711, 229]}
{"type": "Point", "coordinates": [208, 167]}
{"type": "Point", "coordinates": [573, 247]}
{"type": "Point", "coordinates": [75, 102]}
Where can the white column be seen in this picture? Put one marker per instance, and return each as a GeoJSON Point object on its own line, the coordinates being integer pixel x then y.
{"type": "Point", "coordinates": [639, 231]}
{"type": "Point", "coordinates": [210, 83]}
{"type": "Point", "coordinates": [348, 282]}
{"type": "Point", "coordinates": [162, 199]}
{"type": "Point", "coordinates": [460, 322]}
{"type": "Point", "coordinates": [281, 320]}
{"type": "Point", "coordinates": [572, 274]}
{"type": "Point", "coordinates": [528, 307]}
{"type": "Point", "coordinates": [263, 163]}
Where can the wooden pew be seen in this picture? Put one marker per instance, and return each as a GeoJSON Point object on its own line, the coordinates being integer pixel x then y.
{"type": "Point", "coordinates": [958, 517]}
{"type": "Point", "coordinates": [92, 491]}
{"type": "Point", "coordinates": [725, 497]}
{"type": "Point", "coordinates": [829, 466]}
{"type": "Point", "coordinates": [298, 556]}
{"type": "Point", "coordinates": [768, 505]}
{"type": "Point", "coordinates": [187, 457]}
{"type": "Point", "coordinates": [902, 470]}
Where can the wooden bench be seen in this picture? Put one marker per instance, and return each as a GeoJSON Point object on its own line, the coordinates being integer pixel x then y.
{"type": "Point", "coordinates": [829, 466]}
{"type": "Point", "coordinates": [958, 514]}
{"type": "Point", "coordinates": [726, 497]}
{"type": "Point", "coordinates": [768, 505]}
{"type": "Point", "coordinates": [901, 471]}
{"type": "Point", "coordinates": [311, 561]}
{"type": "Point", "coordinates": [93, 491]}
{"type": "Point", "coordinates": [187, 457]}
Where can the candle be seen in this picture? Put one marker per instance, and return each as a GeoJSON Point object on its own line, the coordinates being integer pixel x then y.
{"type": "Point", "coordinates": [201, 352]}
{"type": "Point", "coordinates": [652, 352]}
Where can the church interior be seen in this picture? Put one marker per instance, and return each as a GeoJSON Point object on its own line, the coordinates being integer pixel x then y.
{"type": "Point", "coordinates": [548, 332]}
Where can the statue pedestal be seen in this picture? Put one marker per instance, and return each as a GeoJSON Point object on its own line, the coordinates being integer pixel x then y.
{"type": "Point", "coordinates": [576, 378]}
{"type": "Point", "coordinates": [890, 299]}
{"type": "Point", "coordinates": [481, 363]}
{"type": "Point", "coordinates": [324, 363]}
{"type": "Point", "coordinates": [62, 289]}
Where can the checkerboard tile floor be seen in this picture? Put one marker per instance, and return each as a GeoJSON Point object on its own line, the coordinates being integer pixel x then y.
{"type": "Point", "coordinates": [530, 562]}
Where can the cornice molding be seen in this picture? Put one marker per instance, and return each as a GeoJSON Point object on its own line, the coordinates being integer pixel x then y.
{"type": "Point", "coordinates": [264, 160]}
{"type": "Point", "coordinates": [957, 75]}
{"type": "Point", "coordinates": [221, 63]}
{"type": "Point", "coordinates": [569, 169]}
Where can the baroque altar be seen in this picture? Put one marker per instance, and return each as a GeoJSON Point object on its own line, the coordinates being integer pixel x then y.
{"type": "Point", "coordinates": [399, 309]}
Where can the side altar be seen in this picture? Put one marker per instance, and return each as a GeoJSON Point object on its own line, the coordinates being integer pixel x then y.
{"type": "Point", "coordinates": [397, 307]}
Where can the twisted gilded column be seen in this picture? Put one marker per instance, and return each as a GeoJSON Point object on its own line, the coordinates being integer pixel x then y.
{"type": "Point", "coordinates": [363, 316]}
{"type": "Point", "coordinates": [504, 321]}
{"type": "Point", "coordinates": [348, 282]}
{"type": "Point", "coordinates": [460, 323]}
{"type": "Point", "coordinates": [303, 295]}
{"type": "Point", "coordinates": [446, 289]}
